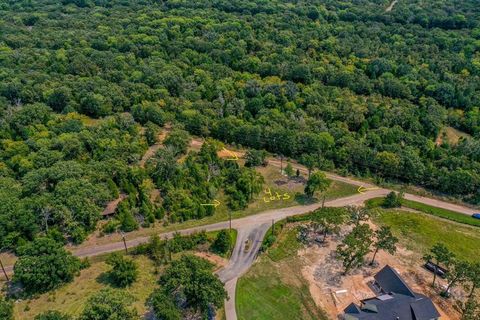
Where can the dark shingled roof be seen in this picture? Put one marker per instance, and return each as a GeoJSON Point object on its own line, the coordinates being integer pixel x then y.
{"type": "Point", "coordinates": [423, 308]}
{"type": "Point", "coordinates": [390, 281]}
{"type": "Point", "coordinates": [399, 302]}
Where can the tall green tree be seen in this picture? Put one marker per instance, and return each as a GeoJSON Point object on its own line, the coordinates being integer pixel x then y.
{"type": "Point", "coordinates": [440, 255]}
{"type": "Point", "coordinates": [458, 273]}
{"type": "Point", "coordinates": [355, 247]}
{"type": "Point", "coordinates": [222, 243]}
{"type": "Point", "coordinates": [193, 278]}
{"type": "Point", "coordinates": [384, 240]}
{"type": "Point", "coordinates": [178, 140]}
{"type": "Point", "coordinates": [358, 214]}
{"type": "Point", "coordinates": [44, 265]}
{"type": "Point", "coordinates": [308, 161]}
{"type": "Point", "coordinates": [474, 278]}
{"type": "Point", "coordinates": [318, 181]}
{"type": "Point", "coordinates": [330, 220]}
{"type": "Point", "coordinates": [470, 309]}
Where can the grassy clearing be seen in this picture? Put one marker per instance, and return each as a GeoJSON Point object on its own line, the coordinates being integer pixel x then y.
{"type": "Point", "coordinates": [451, 135]}
{"type": "Point", "coordinates": [442, 213]}
{"type": "Point", "coordinates": [72, 297]}
{"type": "Point", "coordinates": [419, 232]}
{"type": "Point", "coordinates": [435, 211]}
{"type": "Point", "coordinates": [274, 288]}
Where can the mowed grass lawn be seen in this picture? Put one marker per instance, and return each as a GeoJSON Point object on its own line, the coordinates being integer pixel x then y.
{"type": "Point", "coordinates": [72, 297]}
{"type": "Point", "coordinates": [274, 287]}
{"type": "Point", "coordinates": [419, 232]}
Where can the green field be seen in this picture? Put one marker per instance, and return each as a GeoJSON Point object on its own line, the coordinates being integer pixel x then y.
{"type": "Point", "coordinates": [442, 213]}
{"type": "Point", "coordinates": [419, 232]}
{"type": "Point", "coordinates": [435, 211]}
{"type": "Point", "coordinates": [274, 287]}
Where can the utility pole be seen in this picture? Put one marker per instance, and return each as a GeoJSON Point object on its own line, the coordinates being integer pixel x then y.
{"type": "Point", "coordinates": [124, 241]}
{"type": "Point", "coordinates": [281, 163]}
{"type": "Point", "coordinates": [4, 272]}
{"type": "Point", "coordinates": [273, 227]}
{"type": "Point", "coordinates": [230, 216]}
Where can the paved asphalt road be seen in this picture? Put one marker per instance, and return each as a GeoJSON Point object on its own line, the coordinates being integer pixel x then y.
{"type": "Point", "coordinates": [252, 229]}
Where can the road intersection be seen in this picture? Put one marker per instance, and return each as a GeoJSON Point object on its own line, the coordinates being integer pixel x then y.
{"type": "Point", "coordinates": [252, 229]}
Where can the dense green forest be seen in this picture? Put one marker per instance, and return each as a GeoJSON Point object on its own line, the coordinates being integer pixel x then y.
{"type": "Point", "coordinates": [363, 90]}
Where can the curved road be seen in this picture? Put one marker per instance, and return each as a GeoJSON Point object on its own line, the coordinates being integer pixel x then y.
{"type": "Point", "coordinates": [252, 229]}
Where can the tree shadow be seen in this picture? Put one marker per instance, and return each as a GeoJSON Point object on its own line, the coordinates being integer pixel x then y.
{"type": "Point", "coordinates": [106, 279]}
{"type": "Point", "coordinates": [304, 199]}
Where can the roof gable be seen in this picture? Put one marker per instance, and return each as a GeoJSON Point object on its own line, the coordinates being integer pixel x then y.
{"type": "Point", "coordinates": [390, 281]}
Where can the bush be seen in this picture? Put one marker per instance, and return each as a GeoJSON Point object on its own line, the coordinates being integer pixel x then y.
{"type": "Point", "coordinates": [151, 133]}
{"type": "Point", "coordinates": [254, 158]}
{"type": "Point", "coordinates": [222, 243]}
{"type": "Point", "coordinates": [163, 306]}
{"type": "Point", "coordinates": [393, 200]}
{"type": "Point", "coordinates": [111, 226]}
{"type": "Point", "coordinates": [52, 315]}
{"type": "Point", "coordinates": [268, 242]}
{"type": "Point", "coordinates": [109, 304]}
{"type": "Point", "coordinates": [126, 218]}
{"type": "Point", "coordinates": [124, 271]}
{"type": "Point", "coordinates": [181, 243]}
{"type": "Point", "coordinates": [178, 140]}
{"type": "Point", "coordinates": [6, 309]}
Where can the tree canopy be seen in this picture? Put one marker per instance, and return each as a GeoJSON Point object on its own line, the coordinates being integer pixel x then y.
{"type": "Point", "coordinates": [86, 85]}
{"type": "Point", "coordinates": [44, 265]}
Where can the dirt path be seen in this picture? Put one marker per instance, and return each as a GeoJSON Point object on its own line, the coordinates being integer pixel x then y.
{"type": "Point", "coordinates": [154, 148]}
{"type": "Point", "coordinates": [111, 206]}
{"type": "Point", "coordinates": [390, 7]}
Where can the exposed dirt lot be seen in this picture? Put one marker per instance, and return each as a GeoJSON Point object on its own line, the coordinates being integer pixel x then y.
{"type": "Point", "coordinates": [333, 292]}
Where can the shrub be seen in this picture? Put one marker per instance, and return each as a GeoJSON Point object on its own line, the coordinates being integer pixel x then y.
{"type": "Point", "coordinates": [52, 315]}
{"type": "Point", "coordinates": [6, 309]}
{"type": "Point", "coordinates": [109, 304]}
{"type": "Point", "coordinates": [163, 306]}
{"type": "Point", "coordinates": [111, 226]}
{"type": "Point", "coordinates": [222, 243]}
{"type": "Point", "coordinates": [393, 200]}
{"type": "Point", "coordinates": [254, 158]}
{"type": "Point", "coordinates": [124, 271]}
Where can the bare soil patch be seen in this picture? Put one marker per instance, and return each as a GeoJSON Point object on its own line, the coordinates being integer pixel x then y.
{"type": "Point", "coordinates": [333, 292]}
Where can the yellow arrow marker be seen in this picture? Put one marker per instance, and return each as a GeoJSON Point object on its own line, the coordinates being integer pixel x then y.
{"type": "Point", "coordinates": [215, 203]}
{"type": "Point", "coordinates": [362, 189]}
{"type": "Point", "coordinates": [233, 155]}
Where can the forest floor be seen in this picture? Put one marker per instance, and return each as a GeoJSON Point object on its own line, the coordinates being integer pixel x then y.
{"type": "Point", "coordinates": [291, 274]}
